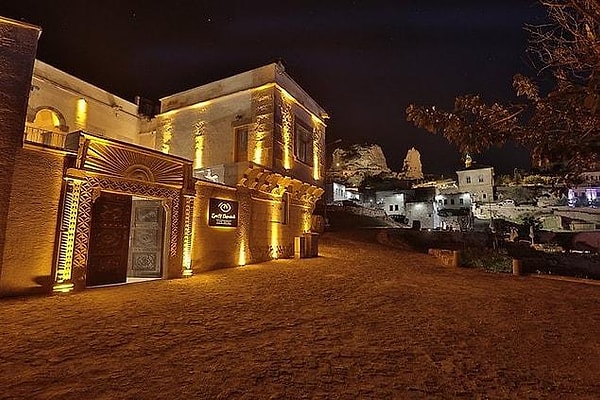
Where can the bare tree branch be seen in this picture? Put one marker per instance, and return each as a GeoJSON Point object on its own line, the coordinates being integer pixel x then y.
{"type": "Point", "coordinates": [559, 127]}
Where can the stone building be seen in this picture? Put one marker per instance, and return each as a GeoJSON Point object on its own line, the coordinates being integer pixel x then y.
{"type": "Point", "coordinates": [95, 192]}
{"type": "Point", "coordinates": [452, 210]}
{"type": "Point", "coordinates": [392, 202]}
{"type": "Point", "coordinates": [478, 180]}
{"type": "Point", "coordinates": [260, 117]}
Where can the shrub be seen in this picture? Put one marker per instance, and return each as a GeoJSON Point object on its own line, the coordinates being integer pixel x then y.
{"type": "Point", "coordinates": [489, 260]}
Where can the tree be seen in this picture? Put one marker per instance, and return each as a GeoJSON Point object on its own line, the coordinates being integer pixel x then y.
{"type": "Point", "coordinates": [560, 126]}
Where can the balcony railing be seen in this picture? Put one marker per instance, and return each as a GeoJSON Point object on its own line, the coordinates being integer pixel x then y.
{"type": "Point", "coordinates": [44, 137]}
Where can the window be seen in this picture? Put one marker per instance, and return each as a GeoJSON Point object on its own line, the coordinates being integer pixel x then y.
{"type": "Point", "coordinates": [461, 201]}
{"type": "Point", "coordinates": [445, 201]}
{"type": "Point", "coordinates": [395, 207]}
{"type": "Point", "coordinates": [452, 201]}
{"type": "Point", "coordinates": [391, 207]}
{"type": "Point", "coordinates": [241, 144]}
{"type": "Point", "coordinates": [468, 179]}
{"type": "Point", "coordinates": [47, 119]}
{"type": "Point", "coordinates": [440, 202]}
{"type": "Point", "coordinates": [485, 196]}
{"type": "Point", "coordinates": [303, 144]}
{"type": "Point", "coordinates": [480, 178]}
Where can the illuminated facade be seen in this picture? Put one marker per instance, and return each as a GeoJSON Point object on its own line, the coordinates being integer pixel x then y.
{"type": "Point", "coordinates": [478, 180]}
{"type": "Point", "coordinates": [257, 133]}
{"type": "Point", "coordinates": [101, 194]}
{"type": "Point", "coordinates": [257, 118]}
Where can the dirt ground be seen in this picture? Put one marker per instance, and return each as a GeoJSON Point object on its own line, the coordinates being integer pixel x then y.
{"type": "Point", "coordinates": [362, 321]}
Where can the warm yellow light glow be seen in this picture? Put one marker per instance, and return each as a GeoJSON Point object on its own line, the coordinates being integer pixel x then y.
{"type": "Point", "coordinates": [287, 129]}
{"type": "Point", "coordinates": [275, 227]}
{"type": "Point", "coordinates": [287, 97]}
{"type": "Point", "coordinates": [316, 160]}
{"type": "Point", "coordinates": [81, 113]}
{"type": "Point", "coordinates": [187, 237]}
{"type": "Point", "coordinates": [318, 144]}
{"type": "Point", "coordinates": [47, 120]}
{"type": "Point", "coordinates": [167, 134]}
{"type": "Point", "coordinates": [199, 151]}
{"type": "Point", "coordinates": [67, 236]}
{"type": "Point", "coordinates": [242, 253]}
{"type": "Point", "coordinates": [199, 131]}
{"type": "Point", "coordinates": [291, 99]}
{"type": "Point", "coordinates": [63, 288]}
{"type": "Point", "coordinates": [261, 132]}
{"type": "Point", "coordinates": [257, 157]}
{"type": "Point", "coordinates": [208, 102]}
{"type": "Point", "coordinates": [306, 220]}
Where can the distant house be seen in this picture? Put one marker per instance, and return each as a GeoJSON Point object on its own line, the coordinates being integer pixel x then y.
{"type": "Point", "coordinates": [478, 180]}
{"type": "Point", "coordinates": [334, 192]}
{"type": "Point", "coordinates": [453, 211]}
{"type": "Point", "coordinates": [419, 208]}
{"type": "Point", "coordinates": [420, 214]}
{"type": "Point", "coordinates": [583, 196]}
{"type": "Point", "coordinates": [392, 202]}
{"type": "Point", "coordinates": [337, 192]}
{"type": "Point", "coordinates": [587, 193]}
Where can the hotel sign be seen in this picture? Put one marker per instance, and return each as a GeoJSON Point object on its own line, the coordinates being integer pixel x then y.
{"type": "Point", "coordinates": [222, 213]}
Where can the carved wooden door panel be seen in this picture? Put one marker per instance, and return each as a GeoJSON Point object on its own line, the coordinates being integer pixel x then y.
{"type": "Point", "coordinates": [109, 240]}
{"type": "Point", "coordinates": [145, 253]}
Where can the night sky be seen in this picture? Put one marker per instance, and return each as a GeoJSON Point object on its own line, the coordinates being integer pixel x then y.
{"type": "Point", "coordinates": [363, 61]}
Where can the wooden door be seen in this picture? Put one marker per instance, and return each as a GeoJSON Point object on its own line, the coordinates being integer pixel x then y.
{"type": "Point", "coordinates": [109, 240]}
{"type": "Point", "coordinates": [145, 253]}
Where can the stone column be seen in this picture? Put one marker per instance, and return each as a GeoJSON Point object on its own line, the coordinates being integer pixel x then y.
{"type": "Point", "coordinates": [18, 45]}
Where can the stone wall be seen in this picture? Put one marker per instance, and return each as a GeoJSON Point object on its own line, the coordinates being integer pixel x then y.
{"type": "Point", "coordinates": [264, 230]}
{"type": "Point", "coordinates": [449, 258]}
{"type": "Point", "coordinates": [216, 247]}
{"type": "Point", "coordinates": [18, 44]}
{"type": "Point", "coordinates": [421, 211]}
{"type": "Point", "coordinates": [82, 106]}
{"type": "Point", "coordinates": [424, 240]}
{"type": "Point", "coordinates": [205, 133]}
{"type": "Point", "coordinates": [27, 264]}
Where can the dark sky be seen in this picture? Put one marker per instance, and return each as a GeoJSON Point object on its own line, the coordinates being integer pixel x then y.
{"type": "Point", "coordinates": [363, 61]}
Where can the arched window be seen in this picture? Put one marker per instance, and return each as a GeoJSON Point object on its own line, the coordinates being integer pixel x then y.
{"type": "Point", "coordinates": [47, 119]}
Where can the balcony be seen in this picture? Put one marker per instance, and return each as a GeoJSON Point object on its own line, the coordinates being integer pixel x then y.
{"type": "Point", "coordinates": [228, 174]}
{"type": "Point", "coordinates": [44, 137]}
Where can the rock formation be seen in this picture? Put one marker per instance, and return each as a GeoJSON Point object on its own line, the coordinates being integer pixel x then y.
{"type": "Point", "coordinates": [412, 169]}
{"type": "Point", "coordinates": [352, 165]}
{"type": "Point", "coordinates": [356, 164]}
